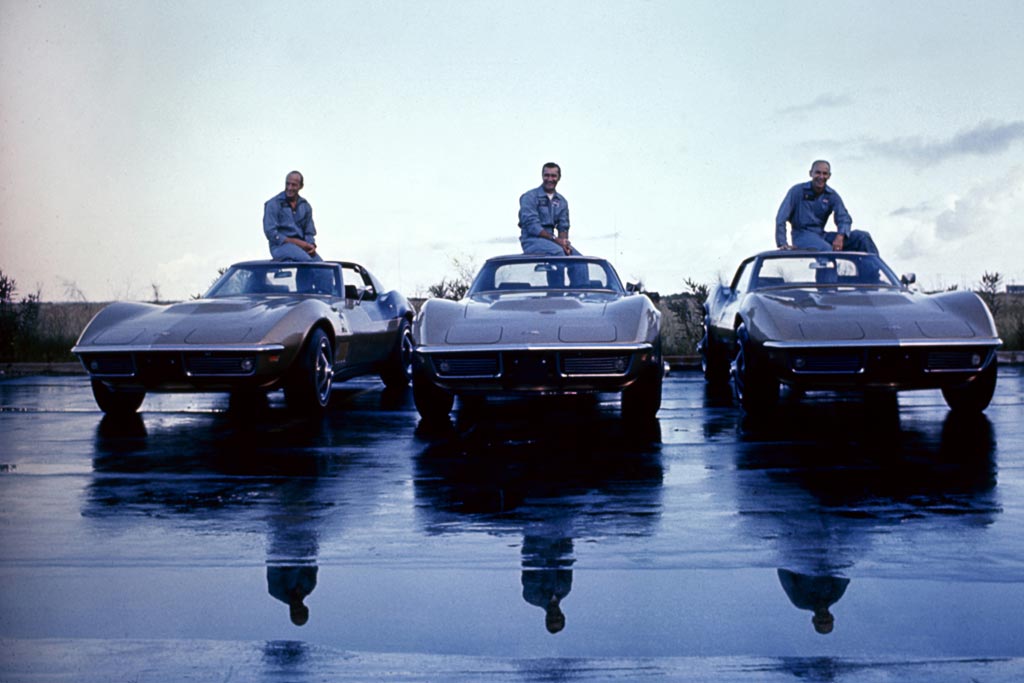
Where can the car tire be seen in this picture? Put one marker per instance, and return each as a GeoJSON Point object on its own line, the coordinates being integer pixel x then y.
{"type": "Point", "coordinates": [755, 389]}
{"type": "Point", "coordinates": [246, 401]}
{"type": "Point", "coordinates": [642, 399]}
{"type": "Point", "coordinates": [714, 359]}
{"type": "Point", "coordinates": [397, 370]}
{"type": "Point", "coordinates": [116, 402]}
{"type": "Point", "coordinates": [432, 402]}
{"type": "Point", "coordinates": [308, 389]}
{"type": "Point", "coordinates": [972, 396]}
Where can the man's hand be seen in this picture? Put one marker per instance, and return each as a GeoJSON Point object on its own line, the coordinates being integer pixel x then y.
{"type": "Point", "coordinates": [302, 244]}
{"type": "Point", "coordinates": [563, 242]}
{"type": "Point", "coordinates": [838, 242]}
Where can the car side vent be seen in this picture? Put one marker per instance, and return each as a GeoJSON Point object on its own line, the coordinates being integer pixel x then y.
{"type": "Point", "coordinates": [617, 364]}
{"type": "Point", "coordinates": [960, 359]}
{"type": "Point", "coordinates": [467, 366]}
{"type": "Point", "coordinates": [120, 365]}
{"type": "Point", "coordinates": [847, 363]}
{"type": "Point", "coordinates": [212, 365]}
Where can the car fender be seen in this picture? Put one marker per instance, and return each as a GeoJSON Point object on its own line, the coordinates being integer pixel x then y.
{"type": "Point", "coordinates": [114, 314]}
{"type": "Point", "coordinates": [295, 326]}
{"type": "Point", "coordinates": [971, 309]}
{"type": "Point", "coordinates": [435, 318]}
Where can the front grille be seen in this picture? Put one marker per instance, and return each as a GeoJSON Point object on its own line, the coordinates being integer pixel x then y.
{"type": "Point", "coordinates": [110, 365]}
{"type": "Point", "coordinates": [841, 362]}
{"type": "Point", "coordinates": [209, 364]}
{"type": "Point", "coordinates": [617, 364]}
{"type": "Point", "coordinates": [467, 366]}
{"type": "Point", "coordinates": [960, 359]}
{"type": "Point", "coordinates": [159, 366]}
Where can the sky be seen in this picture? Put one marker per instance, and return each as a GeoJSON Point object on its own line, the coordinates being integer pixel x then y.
{"type": "Point", "coordinates": [140, 139]}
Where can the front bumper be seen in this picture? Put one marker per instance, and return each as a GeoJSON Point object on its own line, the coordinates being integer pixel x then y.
{"type": "Point", "coordinates": [898, 364]}
{"type": "Point", "coordinates": [186, 368]}
{"type": "Point", "coordinates": [536, 370]}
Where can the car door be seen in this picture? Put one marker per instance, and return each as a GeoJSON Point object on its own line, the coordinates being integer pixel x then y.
{"type": "Point", "coordinates": [369, 328]}
{"type": "Point", "coordinates": [727, 308]}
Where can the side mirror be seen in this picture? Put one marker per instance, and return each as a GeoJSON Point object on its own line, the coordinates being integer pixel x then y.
{"type": "Point", "coordinates": [908, 279]}
{"type": "Point", "coordinates": [633, 287]}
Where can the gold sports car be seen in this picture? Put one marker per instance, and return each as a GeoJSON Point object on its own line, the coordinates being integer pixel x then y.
{"type": "Point", "coordinates": [263, 325]}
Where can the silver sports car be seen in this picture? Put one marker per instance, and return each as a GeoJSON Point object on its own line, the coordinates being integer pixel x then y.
{"type": "Point", "coordinates": [263, 325]}
{"type": "Point", "coordinates": [539, 325]}
{"type": "Point", "coordinates": [844, 320]}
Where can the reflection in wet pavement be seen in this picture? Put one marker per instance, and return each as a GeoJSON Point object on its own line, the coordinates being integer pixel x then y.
{"type": "Point", "coordinates": [843, 539]}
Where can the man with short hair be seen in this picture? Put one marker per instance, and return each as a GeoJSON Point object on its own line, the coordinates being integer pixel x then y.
{"type": "Point", "coordinates": [288, 223]}
{"type": "Point", "coordinates": [544, 217]}
{"type": "Point", "coordinates": [807, 207]}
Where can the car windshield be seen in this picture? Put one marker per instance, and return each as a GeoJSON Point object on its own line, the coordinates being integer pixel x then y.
{"type": "Point", "coordinates": [277, 278]}
{"type": "Point", "coordinates": [826, 268]}
{"type": "Point", "coordinates": [546, 274]}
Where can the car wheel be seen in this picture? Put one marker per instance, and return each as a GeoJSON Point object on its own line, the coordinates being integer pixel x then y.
{"type": "Point", "coordinates": [974, 395]}
{"type": "Point", "coordinates": [642, 399]}
{"type": "Point", "coordinates": [397, 371]}
{"type": "Point", "coordinates": [116, 402]}
{"type": "Point", "coordinates": [246, 401]}
{"type": "Point", "coordinates": [432, 402]}
{"type": "Point", "coordinates": [755, 389]}
{"type": "Point", "coordinates": [714, 360]}
{"type": "Point", "coordinates": [309, 387]}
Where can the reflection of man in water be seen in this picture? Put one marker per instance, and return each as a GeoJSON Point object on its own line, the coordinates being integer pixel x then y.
{"type": "Point", "coordinates": [547, 578]}
{"type": "Point", "coordinates": [293, 548]}
{"type": "Point", "coordinates": [291, 585]}
{"type": "Point", "coordinates": [814, 593]}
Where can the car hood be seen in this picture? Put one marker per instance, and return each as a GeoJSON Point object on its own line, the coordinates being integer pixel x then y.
{"type": "Point", "coordinates": [820, 314]}
{"type": "Point", "coordinates": [534, 320]}
{"type": "Point", "coordinates": [206, 321]}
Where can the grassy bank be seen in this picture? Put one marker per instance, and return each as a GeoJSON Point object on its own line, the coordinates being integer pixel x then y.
{"type": "Point", "coordinates": [44, 332]}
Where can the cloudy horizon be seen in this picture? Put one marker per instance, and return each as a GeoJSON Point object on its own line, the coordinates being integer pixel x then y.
{"type": "Point", "coordinates": [141, 139]}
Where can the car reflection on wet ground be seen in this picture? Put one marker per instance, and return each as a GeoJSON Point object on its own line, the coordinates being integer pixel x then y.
{"type": "Point", "coordinates": [841, 539]}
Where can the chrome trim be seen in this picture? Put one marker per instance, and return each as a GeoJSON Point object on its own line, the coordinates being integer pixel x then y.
{"type": "Point", "coordinates": [520, 348]}
{"type": "Point", "coordinates": [180, 348]}
{"type": "Point", "coordinates": [892, 343]}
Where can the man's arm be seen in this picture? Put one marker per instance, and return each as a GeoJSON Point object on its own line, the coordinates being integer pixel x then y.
{"type": "Point", "coordinates": [784, 215]}
{"type": "Point", "coordinates": [842, 217]}
{"type": "Point", "coordinates": [562, 218]}
{"type": "Point", "coordinates": [308, 228]}
{"type": "Point", "coordinates": [529, 219]}
{"type": "Point", "coordinates": [843, 222]}
{"type": "Point", "coordinates": [270, 224]}
{"type": "Point", "coordinates": [271, 228]}
{"type": "Point", "coordinates": [562, 225]}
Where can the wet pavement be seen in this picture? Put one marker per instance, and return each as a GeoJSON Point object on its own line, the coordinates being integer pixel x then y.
{"type": "Point", "coordinates": [842, 540]}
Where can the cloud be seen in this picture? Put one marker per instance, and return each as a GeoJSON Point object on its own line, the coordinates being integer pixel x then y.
{"type": "Point", "coordinates": [987, 138]}
{"type": "Point", "coordinates": [964, 234]}
{"type": "Point", "coordinates": [825, 101]}
{"type": "Point", "coordinates": [924, 208]}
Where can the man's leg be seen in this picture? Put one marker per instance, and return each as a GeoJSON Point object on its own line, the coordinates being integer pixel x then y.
{"type": "Point", "coordinates": [578, 274]}
{"type": "Point", "coordinates": [806, 239]}
{"type": "Point", "coordinates": [290, 252]}
{"type": "Point", "coordinates": [541, 246]}
{"type": "Point", "coordinates": [860, 240]}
